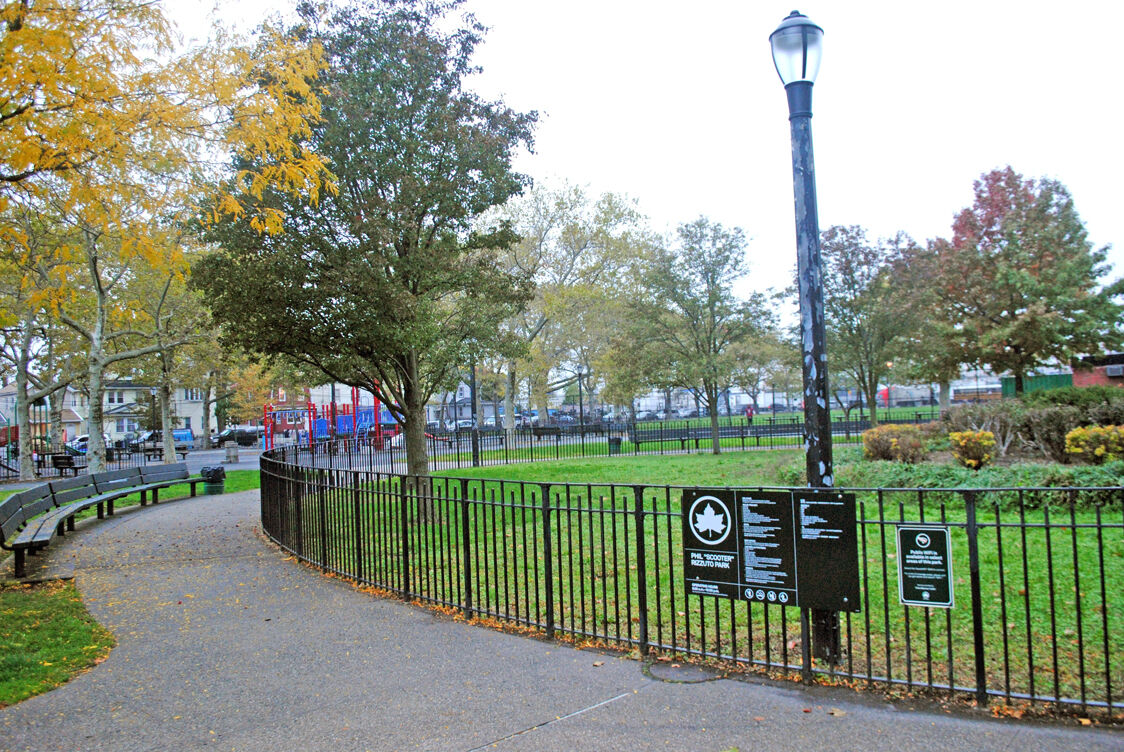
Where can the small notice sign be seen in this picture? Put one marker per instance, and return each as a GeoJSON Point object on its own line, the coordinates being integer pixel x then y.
{"type": "Point", "coordinates": [925, 566]}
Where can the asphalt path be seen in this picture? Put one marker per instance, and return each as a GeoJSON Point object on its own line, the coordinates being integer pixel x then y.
{"type": "Point", "coordinates": [225, 642]}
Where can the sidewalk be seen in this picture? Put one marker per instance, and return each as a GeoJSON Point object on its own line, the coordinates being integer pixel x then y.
{"type": "Point", "coordinates": [225, 643]}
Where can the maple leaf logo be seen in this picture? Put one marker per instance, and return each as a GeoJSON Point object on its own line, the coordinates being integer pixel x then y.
{"type": "Point", "coordinates": [710, 521]}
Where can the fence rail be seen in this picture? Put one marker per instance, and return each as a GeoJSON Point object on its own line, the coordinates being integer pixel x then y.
{"type": "Point", "coordinates": [466, 448]}
{"type": "Point", "coordinates": [1038, 573]}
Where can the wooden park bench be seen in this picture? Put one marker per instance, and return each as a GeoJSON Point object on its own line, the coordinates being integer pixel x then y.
{"type": "Point", "coordinates": [638, 435]}
{"type": "Point", "coordinates": [65, 463]}
{"type": "Point", "coordinates": [539, 431]}
{"type": "Point", "coordinates": [30, 519]}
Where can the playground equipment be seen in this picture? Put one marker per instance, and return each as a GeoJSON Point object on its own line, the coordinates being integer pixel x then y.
{"type": "Point", "coordinates": [332, 420]}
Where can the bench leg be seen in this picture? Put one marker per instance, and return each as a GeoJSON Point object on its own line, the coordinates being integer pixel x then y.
{"type": "Point", "coordinates": [19, 564]}
{"type": "Point", "coordinates": [101, 511]}
{"type": "Point", "coordinates": [156, 496]}
{"type": "Point", "coordinates": [60, 528]}
{"type": "Point", "coordinates": [109, 507]}
{"type": "Point", "coordinates": [70, 523]}
{"type": "Point", "coordinates": [144, 498]}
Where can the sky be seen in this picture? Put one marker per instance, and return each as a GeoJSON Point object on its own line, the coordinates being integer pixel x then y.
{"type": "Point", "coordinates": [678, 106]}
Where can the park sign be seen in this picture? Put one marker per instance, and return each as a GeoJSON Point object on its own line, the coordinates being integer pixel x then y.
{"type": "Point", "coordinates": [925, 566]}
{"type": "Point", "coordinates": [788, 548]}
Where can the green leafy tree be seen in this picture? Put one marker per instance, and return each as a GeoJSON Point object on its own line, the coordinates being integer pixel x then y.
{"type": "Point", "coordinates": [1019, 284]}
{"type": "Point", "coordinates": [866, 315]}
{"type": "Point", "coordinates": [386, 285]}
{"type": "Point", "coordinates": [687, 321]}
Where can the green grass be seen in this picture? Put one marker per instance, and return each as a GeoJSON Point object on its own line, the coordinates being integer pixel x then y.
{"type": "Point", "coordinates": [46, 637]}
{"type": "Point", "coordinates": [731, 469]}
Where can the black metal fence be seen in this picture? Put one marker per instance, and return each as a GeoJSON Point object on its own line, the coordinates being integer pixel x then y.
{"type": "Point", "coordinates": [1038, 573]}
{"type": "Point", "coordinates": [468, 448]}
{"type": "Point", "coordinates": [49, 465]}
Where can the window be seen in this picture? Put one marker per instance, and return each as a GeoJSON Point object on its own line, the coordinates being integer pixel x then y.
{"type": "Point", "coordinates": [126, 425]}
{"type": "Point", "coordinates": [115, 398]}
{"type": "Point", "coordinates": [193, 395]}
{"type": "Point", "coordinates": [187, 423]}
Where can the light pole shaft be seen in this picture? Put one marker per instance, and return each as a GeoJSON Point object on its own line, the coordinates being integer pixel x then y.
{"type": "Point", "coordinates": [817, 405]}
{"type": "Point", "coordinates": [823, 625]}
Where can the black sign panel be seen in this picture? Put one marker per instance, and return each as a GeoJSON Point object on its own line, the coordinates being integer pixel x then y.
{"type": "Point", "coordinates": [925, 566]}
{"type": "Point", "coordinates": [792, 549]}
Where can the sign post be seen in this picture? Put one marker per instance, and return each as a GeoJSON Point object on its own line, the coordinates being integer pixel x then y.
{"type": "Point", "coordinates": [925, 566]}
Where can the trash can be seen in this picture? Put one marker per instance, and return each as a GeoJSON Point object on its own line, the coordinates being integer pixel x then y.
{"type": "Point", "coordinates": [614, 445]}
{"type": "Point", "coordinates": [214, 480]}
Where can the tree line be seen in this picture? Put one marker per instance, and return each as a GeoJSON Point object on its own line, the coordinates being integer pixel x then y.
{"type": "Point", "coordinates": [342, 206]}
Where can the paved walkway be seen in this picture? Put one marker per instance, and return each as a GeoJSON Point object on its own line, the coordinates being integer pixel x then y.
{"type": "Point", "coordinates": [224, 643]}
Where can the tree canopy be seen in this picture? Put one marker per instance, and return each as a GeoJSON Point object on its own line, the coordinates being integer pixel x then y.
{"type": "Point", "coordinates": [386, 285]}
{"type": "Point", "coordinates": [1019, 284]}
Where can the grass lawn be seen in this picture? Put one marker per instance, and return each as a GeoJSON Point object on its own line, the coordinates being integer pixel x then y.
{"type": "Point", "coordinates": [46, 637]}
{"type": "Point", "coordinates": [46, 634]}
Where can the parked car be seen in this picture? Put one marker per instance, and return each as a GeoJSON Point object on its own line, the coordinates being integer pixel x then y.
{"type": "Point", "coordinates": [646, 415]}
{"type": "Point", "coordinates": [182, 440]}
{"type": "Point", "coordinates": [80, 444]}
{"type": "Point", "coordinates": [243, 435]}
{"type": "Point", "coordinates": [465, 424]}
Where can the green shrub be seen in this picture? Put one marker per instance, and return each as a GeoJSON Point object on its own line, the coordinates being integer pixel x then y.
{"type": "Point", "coordinates": [900, 443]}
{"type": "Point", "coordinates": [1096, 444]}
{"type": "Point", "coordinates": [972, 449]}
{"type": "Point", "coordinates": [1082, 397]}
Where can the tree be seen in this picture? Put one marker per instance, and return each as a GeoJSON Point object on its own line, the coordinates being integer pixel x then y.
{"type": "Point", "coordinates": [574, 248]}
{"type": "Point", "coordinates": [116, 138]}
{"type": "Point", "coordinates": [687, 319]}
{"type": "Point", "coordinates": [1019, 283]}
{"type": "Point", "coordinates": [386, 285]}
{"type": "Point", "coordinates": [867, 317]}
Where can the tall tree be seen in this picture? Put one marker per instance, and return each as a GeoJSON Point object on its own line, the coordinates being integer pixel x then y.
{"type": "Point", "coordinates": [1019, 281]}
{"type": "Point", "coordinates": [573, 247]}
{"type": "Point", "coordinates": [866, 315]}
{"type": "Point", "coordinates": [687, 320]}
{"type": "Point", "coordinates": [111, 132]}
{"type": "Point", "coordinates": [386, 285]}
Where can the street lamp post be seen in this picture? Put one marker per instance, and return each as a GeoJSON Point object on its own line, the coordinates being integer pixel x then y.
{"type": "Point", "coordinates": [797, 46]}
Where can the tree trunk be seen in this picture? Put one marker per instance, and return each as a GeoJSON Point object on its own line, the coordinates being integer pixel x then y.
{"type": "Point", "coordinates": [166, 427]}
{"type": "Point", "coordinates": [23, 404]}
{"type": "Point", "coordinates": [712, 401]}
{"type": "Point", "coordinates": [944, 396]}
{"type": "Point", "coordinates": [95, 447]}
{"type": "Point", "coordinates": [417, 459]}
{"type": "Point", "coordinates": [55, 401]}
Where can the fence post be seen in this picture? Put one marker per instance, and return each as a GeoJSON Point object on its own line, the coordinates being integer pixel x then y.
{"type": "Point", "coordinates": [466, 548]}
{"type": "Point", "coordinates": [322, 513]}
{"type": "Point", "coordinates": [977, 602]}
{"type": "Point", "coordinates": [548, 560]}
{"type": "Point", "coordinates": [358, 524]}
{"type": "Point", "coordinates": [404, 505]}
{"type": "Point", "coordinates": [641, 567]}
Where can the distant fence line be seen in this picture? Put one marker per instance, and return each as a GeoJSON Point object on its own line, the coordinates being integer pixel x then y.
{"type": "Point", "coordinates": [1038, 573]}
{"type": "Point", "coordinates": [449, 450]}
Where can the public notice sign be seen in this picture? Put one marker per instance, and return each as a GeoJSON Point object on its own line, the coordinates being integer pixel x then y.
{"type": "Point", "coordinates": [792, 548]}
{"type": "Point", "coordinates": [925, 566]}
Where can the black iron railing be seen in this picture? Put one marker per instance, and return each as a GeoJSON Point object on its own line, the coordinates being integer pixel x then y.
{"type": "Point", "coordinates": [1038, 573]}
{"type": "Point", "coordinates": [454, 449]}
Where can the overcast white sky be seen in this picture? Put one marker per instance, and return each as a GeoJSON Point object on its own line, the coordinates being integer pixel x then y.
{"type": "Point", "coordinates": [678, 106]}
